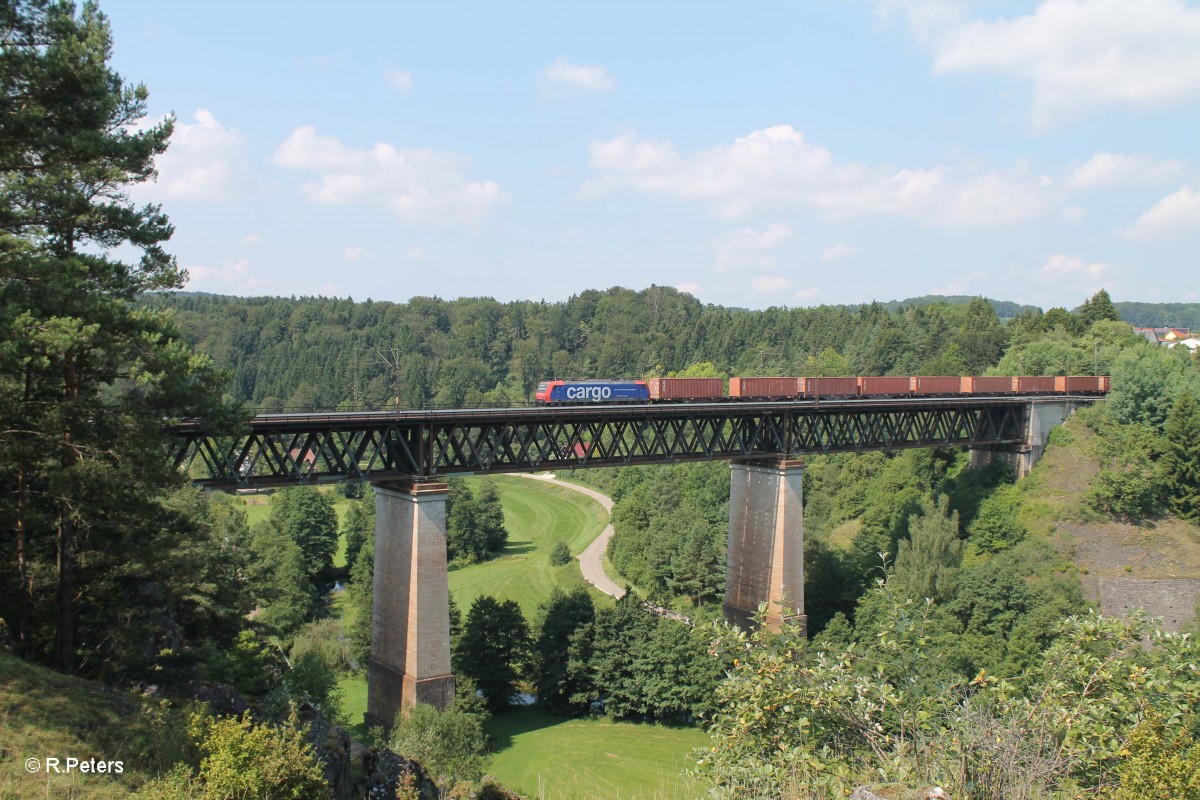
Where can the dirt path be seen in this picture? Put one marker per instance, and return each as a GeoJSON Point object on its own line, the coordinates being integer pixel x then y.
{"type": "Point", "coordinates": [590, 559]}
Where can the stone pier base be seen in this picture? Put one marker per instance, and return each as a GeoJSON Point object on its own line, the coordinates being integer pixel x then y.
{"type": "Point", "coordinates": [410, 618]}
{"type": "Point", "coordinates": [765, 554]}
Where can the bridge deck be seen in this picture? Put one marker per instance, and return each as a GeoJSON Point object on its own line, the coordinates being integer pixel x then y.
{"type": "Point", "coordinates": [279, 449]}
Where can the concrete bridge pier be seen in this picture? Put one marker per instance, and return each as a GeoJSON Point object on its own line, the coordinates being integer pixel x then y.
{"type": "Point", "coordinates": [765, 554]}
{"type": "Point", "coordinates": [410, 617]}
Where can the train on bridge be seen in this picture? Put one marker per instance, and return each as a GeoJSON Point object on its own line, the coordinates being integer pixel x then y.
{"type": "Point", "coordinates": [692, 390]}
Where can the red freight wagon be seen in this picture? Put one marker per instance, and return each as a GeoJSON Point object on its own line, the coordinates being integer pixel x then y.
{"type": "Point", "coordinates": [686, 388]}
{"type": "Point", "coordinates": [988, 384]}
{"type": "Point", "coordinates": [935, 384]}
{"type": "Point", "coordinates": [1033, 384]}
{"type": "Point", "coordinates": [885, 386]}
{"type": "Point", "coordinates": [766, 387]}
{"type": "Point", "coordinates": [1081, 384]}
{"type": "Point", "coordinates": [829, 387]}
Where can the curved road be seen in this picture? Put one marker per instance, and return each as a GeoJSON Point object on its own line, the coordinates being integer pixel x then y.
{"type": "Point", "coordinates": [590, 559]}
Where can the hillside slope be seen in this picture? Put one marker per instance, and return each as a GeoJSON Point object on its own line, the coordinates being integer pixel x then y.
{"type": "Point", "coordinates": [1152, 564]}
{"type": "Point", "coordinates": [46, 715]}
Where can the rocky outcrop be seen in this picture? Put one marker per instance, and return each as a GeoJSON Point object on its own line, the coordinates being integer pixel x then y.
{"type": "Point", "coordinates": [333, 747]}
{"type": "Point", "coordinates": [386, 772]}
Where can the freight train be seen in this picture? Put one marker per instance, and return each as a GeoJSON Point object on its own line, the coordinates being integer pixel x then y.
{"type": "Point", "coordinates": [689, 390]}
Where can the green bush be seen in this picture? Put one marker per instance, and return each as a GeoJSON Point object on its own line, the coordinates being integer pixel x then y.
{"type": "Point", "coordinates": [560, 555]}
{"type": "Point", "coordinates": [449, 744]}
{"type": "Point", "coordinates": [998, 526]}
{"type": "Point", "coordinates": [1161, 763]}
{"type": "Point", "coordinates": [244, 760]}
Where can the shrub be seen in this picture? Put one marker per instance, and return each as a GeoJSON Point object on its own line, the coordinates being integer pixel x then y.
{"type": "Point", "coordinates": [560, 555]}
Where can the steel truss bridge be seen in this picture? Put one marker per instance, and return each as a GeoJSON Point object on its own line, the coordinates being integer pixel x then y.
{"type": "Point", "coordinates": [281, 449]}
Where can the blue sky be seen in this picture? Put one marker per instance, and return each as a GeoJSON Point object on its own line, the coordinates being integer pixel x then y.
{"type": "Point", "coordinates": [829, 151]}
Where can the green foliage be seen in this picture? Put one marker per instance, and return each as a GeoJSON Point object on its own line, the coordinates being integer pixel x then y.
{"type": "Point", "coordinates": [251, 665]}
{"type": "Point", "coordinates": [358, 525]}
{"type": "Point", "coordinates": [1162, 762]}
{"type": "Point", "coordinates": [244, 760]}
{"type": "Point", "coordinates": [560, 619]}
{"type": "Point", "coordinates": [1129, 483]}
{"type": "Point", "coordinates": [670, 528]}
{"type": "Point", "coordinates": [1097, 308]}
{"type": "Point", "coordinates": [641, 666]}
{"type": "Point", "coordinates": [560, 556]}
{"type": "Point", "coordinates": [87, 374]}
{"type": "Point", "coordinates": [449, 744]}
{"type": "Point", "coordinates": [318, 657]}
{"type": "Point", "coordinates": [474, 525]}
{"type": "Point", "coordinates": [281, 582]}
{"type": "Point", "coordinates": [814, 723]}
{"type": "Point", "coordinates": [493, 649]}
{"type": "Point", "coordinates": [306, 517]}
{"type": "Point", "coordinates": [927, 563]}
{"type": "Point", "coordinates": [998, 525]}
{"type": "Point", "coordinates": [1145, 381]}
{"type": "Point", "coordinates": [1181, 457]}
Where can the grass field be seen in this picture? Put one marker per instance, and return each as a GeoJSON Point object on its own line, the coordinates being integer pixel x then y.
{"type": "Point", "coordinates": [543, 756]}
{"type": "Point", "coordinates": [538, 516]}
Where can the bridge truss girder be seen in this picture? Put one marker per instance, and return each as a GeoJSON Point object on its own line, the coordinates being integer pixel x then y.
{"type": "Point", "coordinates": [288, 449]}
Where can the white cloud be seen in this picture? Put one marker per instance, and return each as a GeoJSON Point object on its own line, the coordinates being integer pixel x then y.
{"type": "Point", "coordinates": [1073, 213]}
{"type": "Point", "coordinates": [691, 288]}
{"type": "Point", "coordinates": [838, 252]}
{"type": "Point", "coordinates": [745, 249]}
{"type": "Point", "coordinates": [251, 238]}
{"type": "Point", "coordinates": [807, 294]}
{"type": "Point", "coordinates": [1062, 267]}
{"type": "Point", "coordinates": [205, 161]}
{"type": "Point", "coordinates": [1116, 169]}
{"type": "Point", "coordinates": [777, 168]}
{"type": "Point", "coordinates": [770, 284]}
{"type": "Point", "coordinates": [399, 79]}
{"type": "Point", "coordinates": [414, 254]}
{"type": "Point", "coordinates": [1080, 55]}
{"type": "Point", "coordinates": [354, 253]}
{"type": "Point", "coordinates": [1173, 216]}
{"type": "Point", "coordinates": [417, 184]}
{"type": "Point", "coordinates": [232, 276]}
{"type": "Point", "coordinates": [577, 76]}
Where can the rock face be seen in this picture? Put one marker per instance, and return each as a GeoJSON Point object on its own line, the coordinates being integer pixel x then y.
{"type": "Point", "coordinates": [863, 793]}
{"type": "Point", "coordinates": [332, 746]}
{"type": "Point", "coordinates": [386, 771]}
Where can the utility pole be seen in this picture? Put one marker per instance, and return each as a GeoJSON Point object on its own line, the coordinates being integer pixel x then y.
{"type": "Point", "coordinates": [394, 363]}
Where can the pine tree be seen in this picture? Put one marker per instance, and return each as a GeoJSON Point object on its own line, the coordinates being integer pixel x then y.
{"type": "Point", "coordinates": [1181, 461]}
{"type": "Point", "coordinates": [1098, 307]}
{"type": "Point", "coordinates": [87, 376]}
{"type": "Point", "coordinates": [927, 563]}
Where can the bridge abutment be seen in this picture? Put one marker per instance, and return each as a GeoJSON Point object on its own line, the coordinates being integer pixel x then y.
{"type": "Point", "coordinates": [765, 553]}
{"type": "Point", "coordinates": [1039, 420]}
{"type": "Point", "coordinates": [410, 614]}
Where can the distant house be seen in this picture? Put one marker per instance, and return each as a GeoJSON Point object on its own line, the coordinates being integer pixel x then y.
{"type": "Point", "coordinates": [1168, 336]}
{"type": "Point", "coordinates": [307, 456]}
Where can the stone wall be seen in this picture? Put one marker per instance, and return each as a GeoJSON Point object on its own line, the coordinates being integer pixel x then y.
{"type": "Point", "coordinates": [1173, 599]}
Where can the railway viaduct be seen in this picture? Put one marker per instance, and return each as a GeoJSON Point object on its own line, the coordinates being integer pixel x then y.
{"type": "Point", "coordinates": [408, 454]}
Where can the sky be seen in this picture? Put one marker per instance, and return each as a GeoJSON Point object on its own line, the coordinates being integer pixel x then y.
{"type": "Point", "coordinates": [751, 154]}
